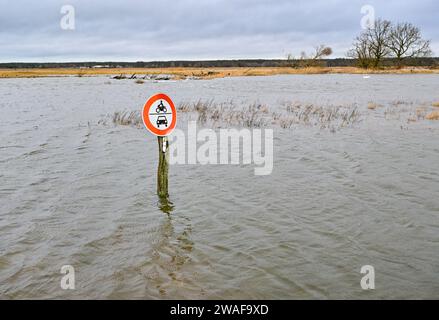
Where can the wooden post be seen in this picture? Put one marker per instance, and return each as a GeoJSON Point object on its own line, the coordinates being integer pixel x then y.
{"type": "Point", "coordinates": [162, 170]}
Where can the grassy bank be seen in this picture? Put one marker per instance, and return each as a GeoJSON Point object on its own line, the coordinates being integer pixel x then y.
{"type": "Point", "coordinates": [204, 73]}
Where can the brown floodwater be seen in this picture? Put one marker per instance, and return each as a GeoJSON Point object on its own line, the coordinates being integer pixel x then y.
{"type": "Point", "coordinates": [78, 190]}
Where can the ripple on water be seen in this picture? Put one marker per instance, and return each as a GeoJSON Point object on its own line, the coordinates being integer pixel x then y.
{"type": "Point", "coordinates": [75, 192]}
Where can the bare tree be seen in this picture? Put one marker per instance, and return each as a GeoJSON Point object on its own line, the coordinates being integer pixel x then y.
{"type": "Point", "coordinates": [311, 60]}
{"type": "Point", "coordinates": [370, 47]}
{"type": "Point", "coordinates": [405, 41]}
{"type": "Point", "coordinates": [322, 51]}
{"type": "Point", "coordinates": [377, 38]}
{"type": "Point", "coordinates": [384, 40]}
{"type": "Point", "coordinates": [361, 51]}
{"type": "Point", "coordinates": [289, 56]}
{"type": "Point", "coordinates": [290, 61]}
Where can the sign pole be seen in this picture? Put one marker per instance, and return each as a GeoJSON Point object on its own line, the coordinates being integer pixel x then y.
{"type": "Point", "coordinates": [159, 116]}
{"type": "Point", "coordinates": [163, 168]}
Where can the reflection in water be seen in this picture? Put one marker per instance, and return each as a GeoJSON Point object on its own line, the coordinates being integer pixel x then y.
{"type": "Point", "coordinates": [165, 205]}
{"type": "Point", "coordinates": [171, 253]}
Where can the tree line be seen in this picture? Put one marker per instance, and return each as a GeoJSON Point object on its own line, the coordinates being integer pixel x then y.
{"type": "Point", "coordinates": [428, 62]}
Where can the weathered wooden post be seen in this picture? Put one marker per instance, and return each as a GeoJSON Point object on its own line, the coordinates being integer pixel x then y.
{"type": "Point", "coordinates": [163, 168]}
{"type": "Point", "coordinates": [160, 117]}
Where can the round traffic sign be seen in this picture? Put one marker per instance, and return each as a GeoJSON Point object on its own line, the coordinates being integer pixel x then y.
{"type": "Point", "coordinates": [159, 115]}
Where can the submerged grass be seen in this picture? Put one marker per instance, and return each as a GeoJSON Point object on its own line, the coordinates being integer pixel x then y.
{"type": "Point", "coordinates": [332, 117]}
{"type": "Point", "coordinates": [411, 111]}
{"type": "Point", "coordinates": [127, 118]}
{"type": "Point", "coordinates": [372, 106]}
{"type": "Point", "coordinates": [228, 114]}
{"type": "Point", "coordinates": [221, 114]}
{"type": "Point", "coordinates": [434, 115]}
{"type": "Point", "coordinates": [288, 115]}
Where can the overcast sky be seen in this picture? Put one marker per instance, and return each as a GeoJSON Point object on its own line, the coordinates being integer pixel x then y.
{"type": "Point", "coordinates": [133, 30]}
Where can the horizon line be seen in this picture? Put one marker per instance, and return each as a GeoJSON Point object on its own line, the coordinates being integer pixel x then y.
{"type": "Point", "coordinates": [189, 60]}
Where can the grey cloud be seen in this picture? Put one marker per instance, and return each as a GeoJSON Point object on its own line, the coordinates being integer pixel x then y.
{"type": "Point", "coordinates": [188, 29]}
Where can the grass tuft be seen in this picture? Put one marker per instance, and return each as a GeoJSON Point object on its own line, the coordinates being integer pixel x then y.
{"type": "Point", "coordinates": [432, 115]}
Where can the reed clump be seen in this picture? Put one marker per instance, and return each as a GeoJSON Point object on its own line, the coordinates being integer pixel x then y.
{"type": "Point", "coordinates": [434, 115]}
{"type": "Point", "coordinates": [421, 112]}
{"type": "Point", "coordinates": [127, 118]}
{"type": "Point", "coordinates": [228, 114]}
{"type": "Point", "coordinates": [220, 114]}
{"type": "Point", "coordinates": [372, 106]}
{"type": "Point", "coordinates": [324, 117]}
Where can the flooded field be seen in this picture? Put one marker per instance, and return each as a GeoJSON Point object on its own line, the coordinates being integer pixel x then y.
{"type": "Point", "coordinates": [79, 189]}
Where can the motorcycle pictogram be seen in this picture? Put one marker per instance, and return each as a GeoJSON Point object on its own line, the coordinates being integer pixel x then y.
{"type": "Point", "coordinates": [161, 108]}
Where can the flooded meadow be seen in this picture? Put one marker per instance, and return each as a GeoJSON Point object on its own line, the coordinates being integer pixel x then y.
{"type": "Point", "coordinates": [355, 182]}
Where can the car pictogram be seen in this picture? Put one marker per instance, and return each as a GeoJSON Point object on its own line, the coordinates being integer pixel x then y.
{"type": "Point", "coordinates": [162, 120]}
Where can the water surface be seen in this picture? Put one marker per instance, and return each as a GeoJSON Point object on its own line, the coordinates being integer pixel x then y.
{"type": "Point", "coordinates": [74, 191]}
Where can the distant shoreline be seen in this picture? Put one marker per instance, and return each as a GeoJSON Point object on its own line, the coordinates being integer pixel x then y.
{"type": "Point", "coordinates": [201, 73]}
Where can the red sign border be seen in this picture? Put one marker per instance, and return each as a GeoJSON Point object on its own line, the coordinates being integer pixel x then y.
{"type": "Point", "coordinates": [145, 115]}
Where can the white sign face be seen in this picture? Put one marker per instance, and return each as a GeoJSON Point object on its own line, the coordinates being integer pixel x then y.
{"type": "Point", "coordinates": [159, 115]}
